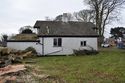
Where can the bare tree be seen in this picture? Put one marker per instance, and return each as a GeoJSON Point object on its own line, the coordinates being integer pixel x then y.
{"type": "Point", "coordinates": [64, 17]}
{"type": "Point", "coordinates": [4, 40]}
{"type": "Point", "coordinates": [47, 18]}
{"type": "Point", "coordinates": [58, 18]}
{"type": "Point", "coordinates": [85, 15]}
{"type": "Point", "coordinates": [104, 12]}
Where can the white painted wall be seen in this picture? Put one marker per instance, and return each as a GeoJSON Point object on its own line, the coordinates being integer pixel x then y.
{"type": "Point", "coordinates": [24, 45]}
{"type": "Point", "coordinates": [68, 44]}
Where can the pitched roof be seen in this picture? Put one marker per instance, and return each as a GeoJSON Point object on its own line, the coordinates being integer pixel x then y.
{"type": "Point", "coordinates": [59, 28]}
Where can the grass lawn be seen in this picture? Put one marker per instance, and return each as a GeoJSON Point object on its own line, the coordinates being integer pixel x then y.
{"type": "Point", "coordinates": [106, 67]}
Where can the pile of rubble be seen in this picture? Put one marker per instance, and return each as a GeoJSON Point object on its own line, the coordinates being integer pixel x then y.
{"type": "Point", "coordinates": [26, 74]}
{"type": "Point", "coordinates": [7, 73]}
{"type": "Point", "coordinates": [8, 56]}
{"type": "Point", "coordinates": [20, 73]}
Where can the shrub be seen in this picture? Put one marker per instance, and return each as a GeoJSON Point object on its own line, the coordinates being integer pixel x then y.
{"type": "Point", "coordinates": [27, 31]}
{"type": "Point", "coordinates": [85, 52]}
{"type": "Point", "coordinates": [31, 49]}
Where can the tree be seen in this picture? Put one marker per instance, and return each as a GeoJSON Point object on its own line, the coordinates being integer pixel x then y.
{"type": "Point", "coordinates": [104, 12]}
{"type": "Point", "coordinates": [59, 18]}
{"type": "Point", "coordinates": [64, 17]}
{"type": "Point", "coordinates": [47, 18]}
{"type": "Point", "coordinates": [4, 40]}
{"type": "Point", "coordinates": [4, 37]}
{"type": "Point", "coordinates": [85, 16]}
{"type": "Point", "coordinates": [26, 29]}
{"type": "Point", "coordinates": [117, 32]}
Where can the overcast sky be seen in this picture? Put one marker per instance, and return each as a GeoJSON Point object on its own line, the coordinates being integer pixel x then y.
{"type": "Point", "coordinates": [17, 13]}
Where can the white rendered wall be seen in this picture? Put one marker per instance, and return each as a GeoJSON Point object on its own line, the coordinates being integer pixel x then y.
{"type": "Point", "coordinates": [24, 45]}
{"type": "Point", "coordinates": [68, 45]}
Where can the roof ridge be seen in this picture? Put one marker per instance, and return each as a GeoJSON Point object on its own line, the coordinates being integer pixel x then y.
{"type": "Point", "coordinates": [63, 22]}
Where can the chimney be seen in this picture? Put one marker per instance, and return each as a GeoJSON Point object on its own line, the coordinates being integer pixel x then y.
{"type": "Point", "coordinates": [47, 28]}
{"type": "Point", "coordinates": [65, 17]}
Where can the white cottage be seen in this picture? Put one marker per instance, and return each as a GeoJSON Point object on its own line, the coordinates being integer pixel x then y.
{"type": "Point", "coordinates": [60, 38]}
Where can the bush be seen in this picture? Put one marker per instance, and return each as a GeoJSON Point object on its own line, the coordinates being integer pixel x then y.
{"type": "Point", "coordinates": [85, 52]}
{"type": "Point", "coordinates": [27, 31]}
{"type": "Point", "coordinates": [31, 49]}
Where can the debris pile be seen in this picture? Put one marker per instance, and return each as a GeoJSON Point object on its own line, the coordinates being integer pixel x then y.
{"type": "Point", "coordinates": [7, 73]}
{"type": "Point", "coordinates": [20, 73]}
{"type": "Point", "coordinates": [11, 69]}
{"type": "Point", "coordinates": [26, 74]}
{"type": "Point", "coordinates": [8, 56]}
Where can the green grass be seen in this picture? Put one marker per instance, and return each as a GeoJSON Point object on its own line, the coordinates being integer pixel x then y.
{"type": "Point", "coordinates": [106, 67]}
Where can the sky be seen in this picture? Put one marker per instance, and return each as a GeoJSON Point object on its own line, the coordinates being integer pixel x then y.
{"type": "Point", "coordinates": [18, 13]}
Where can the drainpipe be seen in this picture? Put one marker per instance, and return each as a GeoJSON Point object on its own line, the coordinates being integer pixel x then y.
{"type": "Point", "coordinates": [43, 46]}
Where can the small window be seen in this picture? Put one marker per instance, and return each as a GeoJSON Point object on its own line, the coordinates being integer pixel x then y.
{"type": "Point", "coordinates": [83, 43]}
{"type": "Point", "coordinates": [57, 42]}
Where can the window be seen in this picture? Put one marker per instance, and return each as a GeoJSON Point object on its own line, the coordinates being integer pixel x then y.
{"type": "Point", "coordinates": [57, 42]}
{"type": "Point", "coordinates": [83, 43]}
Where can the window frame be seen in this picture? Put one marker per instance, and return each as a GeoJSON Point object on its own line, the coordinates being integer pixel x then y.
{"type": "Point", "coordinates": [57, 42]}
{"type": "Point", "coordinates": [83, 43]}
